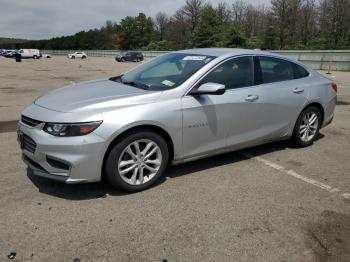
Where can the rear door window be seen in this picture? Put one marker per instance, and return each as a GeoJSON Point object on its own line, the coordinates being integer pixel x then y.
{"type": "Point", "coordinates": [275, 70]}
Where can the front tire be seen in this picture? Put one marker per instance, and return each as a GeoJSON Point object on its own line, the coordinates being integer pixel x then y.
{"type": "Point", "coordinates": [307, 127]}
{"type": "Point", "coordinates": [137, 161]}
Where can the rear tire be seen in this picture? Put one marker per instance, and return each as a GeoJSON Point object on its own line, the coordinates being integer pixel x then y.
{"type": "Point", "coordinates": [307, 127]}
{"type": "Point", "coordinates": [35, 57]}
{"type": "Point", "coordinates": [83, 57]}
{"type": "Point", "coordinates": [142, 167]}
{"type": "Point", "coordinates": [73, 57]}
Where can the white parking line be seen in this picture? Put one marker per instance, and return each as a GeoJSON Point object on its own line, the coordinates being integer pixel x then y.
{"type": "Point", "coordinates": [294, 174]}
{"type": "Point", "coordinates": [346, 195]}
{"type": "Point", "coordinates": [56, 76]}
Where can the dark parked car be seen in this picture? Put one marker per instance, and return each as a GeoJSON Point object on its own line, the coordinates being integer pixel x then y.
{"type": "Point", "coordinates": [10, 53]}
{"type": "Point", "coordinates": [130, 56]}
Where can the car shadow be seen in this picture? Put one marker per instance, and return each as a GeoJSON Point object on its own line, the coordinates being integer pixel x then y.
{"type": "Point", "coordinates": [103, 189]}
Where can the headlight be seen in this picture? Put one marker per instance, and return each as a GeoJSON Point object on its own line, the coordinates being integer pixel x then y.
{"type": "Point", "coordinates": [79, 129]}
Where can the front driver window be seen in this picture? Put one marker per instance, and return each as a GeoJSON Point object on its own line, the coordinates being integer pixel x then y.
{"type": "Point", "coordinates": [234, 73]}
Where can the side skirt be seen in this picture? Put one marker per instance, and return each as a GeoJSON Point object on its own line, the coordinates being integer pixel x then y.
{"type": "Point", "coordinates": [224, 150]}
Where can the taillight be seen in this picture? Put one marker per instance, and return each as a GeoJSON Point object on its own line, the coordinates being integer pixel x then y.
{"type": "Point", "coordinates": [335, 87]}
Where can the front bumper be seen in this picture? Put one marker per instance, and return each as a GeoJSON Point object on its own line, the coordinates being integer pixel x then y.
{"type": "Point", "coordinates": [67, 159]}
{"type": "Point", "coordinates": [39, 171]}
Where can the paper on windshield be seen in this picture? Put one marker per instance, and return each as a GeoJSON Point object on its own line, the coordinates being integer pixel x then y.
{"type": "Point", "coordinates": [195, 58]}
{"type": "Point", "coordinates": [168, 83]}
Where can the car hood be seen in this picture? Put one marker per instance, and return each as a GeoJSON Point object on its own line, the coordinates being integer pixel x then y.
{"type": "Point", "coordinates": [97, 95]}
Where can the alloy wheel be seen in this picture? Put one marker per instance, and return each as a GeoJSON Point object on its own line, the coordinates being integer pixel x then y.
{"type": "Point", "coordinates": [308, 127]}
{"type": "Point", "coordinates": [139, 162]}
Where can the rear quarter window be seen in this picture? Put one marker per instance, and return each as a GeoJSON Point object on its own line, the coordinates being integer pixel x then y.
{"type": "Point", "coordinates": [299, 71]}
{"type": "Point", "coordinates": [275, 69]}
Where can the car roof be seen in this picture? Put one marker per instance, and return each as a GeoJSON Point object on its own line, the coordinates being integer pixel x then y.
{"type": "Point", "coordinates": [225, 51]}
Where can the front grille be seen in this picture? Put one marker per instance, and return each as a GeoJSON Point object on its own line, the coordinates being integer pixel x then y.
{"type": "Point", "coordinates": [29, 144]}
{"type": "Point", "coordinates": [30, 121]}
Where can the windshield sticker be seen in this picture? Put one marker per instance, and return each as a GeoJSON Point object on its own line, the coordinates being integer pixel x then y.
{"type": "Point", "coordinates": [168, 83]}
{"type": "Point", "coordinates": [195, 58]}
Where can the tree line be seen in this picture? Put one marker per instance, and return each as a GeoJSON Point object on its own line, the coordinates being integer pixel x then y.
{"type": "Point", "coordinates": [283, 24]}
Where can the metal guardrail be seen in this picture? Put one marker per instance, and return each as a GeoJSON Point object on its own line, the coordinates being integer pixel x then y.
{"type": "Point", "coordinates": [317, 59]}
{"type": "Point", "coordinates": [320, 59]}
{"type": "Point", "coordinates": [103, 53]}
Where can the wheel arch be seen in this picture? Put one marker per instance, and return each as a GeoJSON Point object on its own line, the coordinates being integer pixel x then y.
{"type": "Point", "coordinates": [319, 107]}
{"type": "Point", "coordinates": [149, 127]}
{"type": "Point", "coordinates": [313, 103]}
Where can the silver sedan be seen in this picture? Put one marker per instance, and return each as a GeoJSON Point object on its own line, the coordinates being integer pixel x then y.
{"type": "Point", "coordinates": [176, 108]}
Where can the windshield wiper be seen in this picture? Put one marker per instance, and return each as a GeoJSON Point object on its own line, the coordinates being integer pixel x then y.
{"type": "Point", "coordinates": [136, 84]}
{"type": "Point", "coordinates": [116, 78]}
{"type": "Point", "coordinates": [130, 83]}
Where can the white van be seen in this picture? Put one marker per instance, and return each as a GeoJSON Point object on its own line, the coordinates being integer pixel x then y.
{"type": "Point", "coordinates": [30, 53]}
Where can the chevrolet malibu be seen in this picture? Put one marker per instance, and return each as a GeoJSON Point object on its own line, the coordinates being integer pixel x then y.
{"type": "Point", "coordinates": [176, 108]}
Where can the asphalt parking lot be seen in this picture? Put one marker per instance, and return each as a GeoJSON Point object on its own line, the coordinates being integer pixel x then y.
{"type": "Point", "coordinates": [269, 203]}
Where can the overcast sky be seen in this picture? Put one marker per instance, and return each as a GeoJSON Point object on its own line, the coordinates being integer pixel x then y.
{"type": "Point", "coordinates": [41, 19]}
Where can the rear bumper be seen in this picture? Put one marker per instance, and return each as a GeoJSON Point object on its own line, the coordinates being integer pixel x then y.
{"type": "Point", "coordinates": [329, 109]}
{"type": "Point", "coordinates": [329, 121]}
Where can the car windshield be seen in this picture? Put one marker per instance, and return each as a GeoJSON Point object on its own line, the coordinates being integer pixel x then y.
{"type": "Point", "coordinates": [165, 72]}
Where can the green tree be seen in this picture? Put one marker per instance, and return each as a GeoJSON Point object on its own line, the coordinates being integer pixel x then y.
{"type": "Point", "coordinates": [207, 33]}
{"type": "Point", "coordinates": [157, 46]}
{"type": "Point", "coordinates": [136, 32]}
{"type": "Point", "coordinates": [128, 29]}
{"type": "Point", "coordinates": [254, 42]}
{"type": "Point", "coordinates": [270, 36]}
{"type": "Point", "coordinates": [234, 36]}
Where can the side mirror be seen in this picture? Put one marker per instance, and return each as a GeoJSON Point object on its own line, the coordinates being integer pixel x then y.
{"type": "Point", "coordinates": [209, 89]}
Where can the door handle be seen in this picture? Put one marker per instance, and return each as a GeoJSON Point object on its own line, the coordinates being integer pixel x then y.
{"type": "Point", "coordinates": [251, 98]}
{"type": "Point", "coordinates": [298, 90]}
